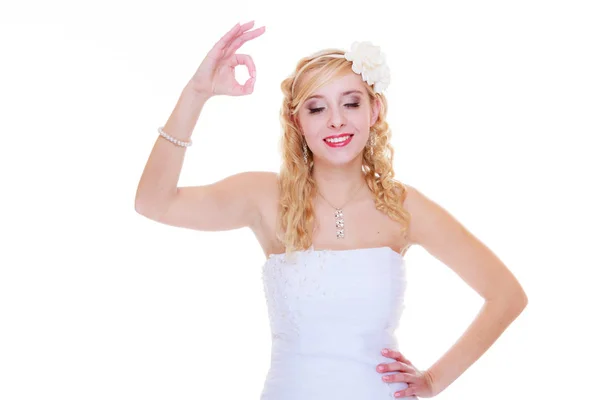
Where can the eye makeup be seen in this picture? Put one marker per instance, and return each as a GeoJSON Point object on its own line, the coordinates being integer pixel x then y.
{"type": "Point", "coordinates": [319, 109]}
{"type": "Point", "coordinates": [355, 98]}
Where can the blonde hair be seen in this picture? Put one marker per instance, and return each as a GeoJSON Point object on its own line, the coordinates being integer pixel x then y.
{"type": "Point", "coordinates": [296, 217]}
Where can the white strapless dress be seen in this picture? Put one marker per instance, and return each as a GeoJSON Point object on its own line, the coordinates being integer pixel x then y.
{"type": "Point", "coordinates": [331, 313]}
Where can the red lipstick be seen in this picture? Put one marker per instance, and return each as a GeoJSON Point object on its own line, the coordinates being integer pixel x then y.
{"type": "Point", "coordinates": [338, 140]}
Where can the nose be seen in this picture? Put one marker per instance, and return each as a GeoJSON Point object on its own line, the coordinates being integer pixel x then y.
{"type": "Point", "coordinates": [337, 118]}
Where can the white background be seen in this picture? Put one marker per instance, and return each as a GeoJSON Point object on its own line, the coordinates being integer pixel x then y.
{"type": "Point", "coordinates": [494, 109]}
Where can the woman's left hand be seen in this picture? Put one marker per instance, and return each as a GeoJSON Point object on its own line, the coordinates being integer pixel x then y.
{"type": "Point", "coordinates": [420, 383]}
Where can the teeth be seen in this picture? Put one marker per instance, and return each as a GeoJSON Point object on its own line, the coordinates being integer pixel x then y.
{"type": "Point", "coordinates": [337, 140]}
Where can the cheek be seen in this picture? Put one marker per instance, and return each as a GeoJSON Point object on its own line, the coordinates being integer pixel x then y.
{"type": "Point", "coordinates": [310, 127]}
{"type": "Point", "coordinates": [365, 118]}
{"type": "Point", "coordinates": [359, 125]}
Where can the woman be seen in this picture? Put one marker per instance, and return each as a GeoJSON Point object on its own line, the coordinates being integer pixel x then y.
{"type": "Point", "coordinates": [334, 226]}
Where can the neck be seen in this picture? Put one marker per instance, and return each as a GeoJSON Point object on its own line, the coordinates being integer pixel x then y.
{"type": "Point", "coordinates": [338, 183]}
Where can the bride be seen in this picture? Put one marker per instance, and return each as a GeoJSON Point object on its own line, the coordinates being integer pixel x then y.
{"type": "Point", "coordinates": [334, 225]}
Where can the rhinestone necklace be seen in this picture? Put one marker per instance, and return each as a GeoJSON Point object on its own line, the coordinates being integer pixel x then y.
{"type": "Point", "coordinates": [339, 214]}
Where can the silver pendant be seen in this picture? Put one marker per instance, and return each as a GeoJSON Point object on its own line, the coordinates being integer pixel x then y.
{"type": "Point", "coordinates": [339, 223]}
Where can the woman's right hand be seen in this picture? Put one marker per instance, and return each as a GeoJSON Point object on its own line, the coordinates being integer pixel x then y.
{"type": "Point", "coordinates": [216, 73]}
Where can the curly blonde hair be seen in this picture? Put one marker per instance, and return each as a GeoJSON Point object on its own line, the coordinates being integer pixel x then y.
{"type": "Point", "coordinates": [297, 187]}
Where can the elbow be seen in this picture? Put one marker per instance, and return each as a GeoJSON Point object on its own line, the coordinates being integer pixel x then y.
{"type": "Point", "coordinates": [519, 297]}
{"type": "Point", "coordinates": [517, 301]}
{"type": "Point", "coordinates": [523, 303]}
{"type": "Point", "coordinates": [511, 300]}
{"type": "Point", "coordinates": [138, 206]}
{"type": "Point", "coordinates": [525, 300]}
{"type": "Point", "coordinates": [514, 295]}
{"type": "Point", "coordinates": [150, 208]}
{"type": "Point", "coordinates": [144, 209]}
{"type": "Point", "coordinates": [149, 204]}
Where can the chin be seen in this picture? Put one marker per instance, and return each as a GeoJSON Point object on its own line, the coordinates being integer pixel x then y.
{"type": "Point", "coordinates": [339, 159]}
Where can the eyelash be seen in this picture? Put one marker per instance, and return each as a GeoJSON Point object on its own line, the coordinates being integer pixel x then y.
{"type": "Point", "coordinates": [319, 109]}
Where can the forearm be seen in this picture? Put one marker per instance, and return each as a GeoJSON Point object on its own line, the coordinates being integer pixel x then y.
{"type": "Point", "coordinates": [493, 318]}
{"type": "Point", "coordinates": [161, 174]}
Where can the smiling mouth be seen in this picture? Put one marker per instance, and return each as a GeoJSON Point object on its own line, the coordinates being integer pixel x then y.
{"type": "Point", "coordinates": [338, 141]}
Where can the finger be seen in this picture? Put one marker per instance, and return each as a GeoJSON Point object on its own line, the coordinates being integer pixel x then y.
{"type": "Point", "coordinates": [247, 25]}
{"type": "Point", "coordinates": [226, 40]}
{"type": "Point", "coordinates": [405, 393]}
{"type": "Point", "coordinates": [399, 366]}
{"type": "Point", "coordinates": [397, 356]}
{"type": "Point", "coordinates": [243, 59]}
{"type": "Point", "coordinates": [247, 88]}
{"type": "Point", "coordinates": [400, 377]}
{"type": "Point", "coordinates": [240, 40]}
{"type": "Point", "coordinates": [223, 43]}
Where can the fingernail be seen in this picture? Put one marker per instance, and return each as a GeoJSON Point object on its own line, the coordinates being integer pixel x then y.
{"type": "Point", "coordinates": [385, 351]}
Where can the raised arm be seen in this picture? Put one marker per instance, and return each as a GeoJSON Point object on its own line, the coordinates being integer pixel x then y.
{"type": "Point", "coordinates": [227, 204]}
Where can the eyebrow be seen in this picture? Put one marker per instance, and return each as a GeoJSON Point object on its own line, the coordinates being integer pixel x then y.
{"type": "Point", "coordinates": [318, 96]}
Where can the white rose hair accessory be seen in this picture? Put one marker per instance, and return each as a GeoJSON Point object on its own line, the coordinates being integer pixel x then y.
{"type": "Point", "coordinates": [369, 62]}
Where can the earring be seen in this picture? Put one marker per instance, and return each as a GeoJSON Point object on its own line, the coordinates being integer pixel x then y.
{"type": "Point", "coordinates": [305, 151]}
{"type": "Point", "coordinates": [372, 142]}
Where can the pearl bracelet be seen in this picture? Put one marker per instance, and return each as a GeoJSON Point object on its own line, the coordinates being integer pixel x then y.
{"type": "Point", "coordinates": [172, 139]}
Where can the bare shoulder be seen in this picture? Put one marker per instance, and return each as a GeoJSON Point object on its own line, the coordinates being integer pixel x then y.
{"type": "Point", "coordinates": [431, 224]}
{"type": "Point", "coordinates": [436, 230]}
{"type": "Point", "coordinates": [426, 215]}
